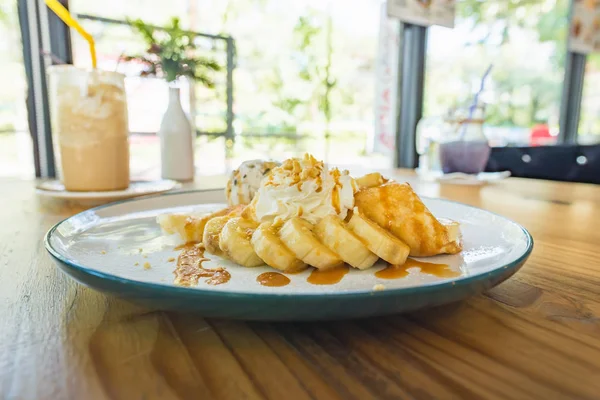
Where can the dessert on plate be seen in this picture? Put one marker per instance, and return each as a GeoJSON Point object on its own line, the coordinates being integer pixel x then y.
{"type": "Point", "coordinates": [303, 214]}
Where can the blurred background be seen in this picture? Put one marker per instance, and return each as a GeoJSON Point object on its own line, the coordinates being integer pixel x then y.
{"type": "Point", "coordinates": [310, 75]}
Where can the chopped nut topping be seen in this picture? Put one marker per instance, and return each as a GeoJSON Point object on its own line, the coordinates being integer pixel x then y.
{"type": "Point", "coordinates": [295, 171]}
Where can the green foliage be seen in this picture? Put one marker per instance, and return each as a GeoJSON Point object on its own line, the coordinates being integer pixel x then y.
{"type": "Point", "coordinates": [8, 13]}
{"type": "Point", "coordinates": [172, 53]}
{"type": "Point", "coordinates": [549, 21]}
{"type": "Point", "coordinates": [288, 108]}
{"type": "Point", "coordinates": [287, 104]}
{"type": "Point", "coordinates": [305, 31]}
{"type": "Point", "coordinates": [520, 13]}
{"type": "Point", "coordinates": [314, 68]}
{"type": "Point", "coordinates": [524, 90]}
{"type": "Point", "coordinates": [312, 54]}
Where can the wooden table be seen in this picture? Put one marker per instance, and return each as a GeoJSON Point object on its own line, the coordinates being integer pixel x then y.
{"type": "Point", "coordinates": [535, 336]}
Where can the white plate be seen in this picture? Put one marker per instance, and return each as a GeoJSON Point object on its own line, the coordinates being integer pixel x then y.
{"type": "Point", "coordinates": [101, 247]}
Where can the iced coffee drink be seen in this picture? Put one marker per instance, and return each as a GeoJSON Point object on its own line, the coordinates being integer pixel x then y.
{"type": "Point", "coordinates": [90, 130]}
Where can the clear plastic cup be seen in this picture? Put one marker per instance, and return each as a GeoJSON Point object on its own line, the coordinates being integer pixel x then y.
{"type": "Point", "coordinates": [90, 128]}
{"type": "Point", "coordinates": [465, 149]}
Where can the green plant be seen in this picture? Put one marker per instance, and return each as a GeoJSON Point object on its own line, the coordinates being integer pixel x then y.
{"type": "Point", "coordinates": [172, 53]}
{"type": "Point", "coordinates": [315, 69]}
{"type": "Point", "coordinates": [289, 105]}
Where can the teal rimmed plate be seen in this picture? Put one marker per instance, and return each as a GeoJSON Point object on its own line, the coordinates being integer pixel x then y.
{"type": "Point", "coordinates": [107, 247]}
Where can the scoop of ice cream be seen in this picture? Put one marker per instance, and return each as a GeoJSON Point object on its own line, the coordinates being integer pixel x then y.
{"type": "Point", "coordinates": [245, 181]}
{"type": "Point", "coordinates": [304, 188]}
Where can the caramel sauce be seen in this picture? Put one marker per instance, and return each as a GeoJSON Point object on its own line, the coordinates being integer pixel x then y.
{"type": "Point", "coordinates": [218, 277]}
{"type": "Point", "coordinates": [384, 201]}
{"type": "Point", "coordinates": [189, 267]}
{"type": "Point", "coordinates": [271, 181]}
{"type": "Point", "coordinates": [392, 272]}
{"type": "Point", "coordinates": [275, 227]}
{"type": "Point", "coordinates": [335, 199]}
{"type": "Point", "coordinates": [400, 271]}
{"type": "Point", "coordinates": [328, 277]}
{"type": "Point", "coordinates": [335, 194]}
{"type": "Point", "coordinates": [272, 279]}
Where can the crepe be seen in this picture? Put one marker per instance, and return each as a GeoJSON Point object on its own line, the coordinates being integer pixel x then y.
{"type": "Point", "coordinates": [397, 208]}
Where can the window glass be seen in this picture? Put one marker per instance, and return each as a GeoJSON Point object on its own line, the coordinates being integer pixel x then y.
{"type": "Point", "coordinates": [526, 44]}
{"type": "Point", "coordinates": [303, 69]}
{"type": "Point", "coordinates": [589, 122]}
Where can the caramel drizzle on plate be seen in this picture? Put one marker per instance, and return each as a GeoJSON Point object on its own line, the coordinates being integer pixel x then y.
{"type": "Point", "coordinates": [400, 271]}
{"type": "Point", "coordinates": [272, 279]}
{"type": "Point", "coordinates": [329, 276]}
{"type": "Point", "coordinates": [189, 268]}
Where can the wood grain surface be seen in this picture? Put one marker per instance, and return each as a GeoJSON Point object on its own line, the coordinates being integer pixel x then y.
{"type": "Point", "coordinates": [535, 336]}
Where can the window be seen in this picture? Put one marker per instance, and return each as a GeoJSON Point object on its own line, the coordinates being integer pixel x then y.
{"type": "Point", "coordinates": [526, 43]}
{"type": "Point", "coordinates": [16, 156]}
{"type": "Point", "coordinates": [589, 122]}
{"type": "Point", "coordinates": [303, 68]}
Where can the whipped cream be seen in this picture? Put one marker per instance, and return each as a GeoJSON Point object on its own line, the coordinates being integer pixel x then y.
{"type": "Point", "coordinates": [304, 188]}
{"type": "Point", "coordinates": [245, 181]}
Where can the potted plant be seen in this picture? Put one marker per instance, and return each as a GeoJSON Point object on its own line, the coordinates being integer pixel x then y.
{"type": "Point", "coordinates": [171, 55]}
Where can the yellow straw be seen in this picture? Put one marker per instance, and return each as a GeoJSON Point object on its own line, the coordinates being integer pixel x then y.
{"type": "Point", "coordinates": [64, 14]}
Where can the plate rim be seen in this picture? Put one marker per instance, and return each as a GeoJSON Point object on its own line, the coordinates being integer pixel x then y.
{"type": "Point", "coordinates": [164, 289]}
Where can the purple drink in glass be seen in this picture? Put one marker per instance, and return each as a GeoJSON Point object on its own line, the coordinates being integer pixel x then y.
{"type": "Point", "coordinates": [469, 157]}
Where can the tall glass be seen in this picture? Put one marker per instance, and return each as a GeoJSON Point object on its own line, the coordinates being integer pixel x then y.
{"type": "Point", "coordinates": [90, 128]}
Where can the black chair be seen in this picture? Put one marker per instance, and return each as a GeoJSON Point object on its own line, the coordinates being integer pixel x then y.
{"type": "Point", "coordinates": [571, 163]}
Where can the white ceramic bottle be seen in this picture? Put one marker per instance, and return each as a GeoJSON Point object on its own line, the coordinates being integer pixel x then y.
{"type": "Point", "coordinates": [176, 141]}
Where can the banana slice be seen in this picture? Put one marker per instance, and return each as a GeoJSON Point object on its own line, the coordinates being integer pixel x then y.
{"type": "Point", "coordinates": [378, 240]}
{"type": "Point", "coordinates": [191, 227]}
{"type": "Point", "coordinates": [271, 249]}
{"type": "Point", "coordinates": [234, 241]}
{"type": "Point", "coordinates": [212, 231]}
{"type": "Point", "coordinates": [298, 236]}
{"type": "Point", "coordinates": [333, 233]}
{"type": "Point", "coordinates": [175, 223]}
